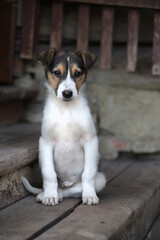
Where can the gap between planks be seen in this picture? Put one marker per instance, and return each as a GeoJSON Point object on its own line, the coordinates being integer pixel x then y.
{"type": "Point", "coordinates": [70, 211]}
{"type": "Point", "coordinates": [38, 219]}
{"type": "Point", "coordinates": [129, 206]}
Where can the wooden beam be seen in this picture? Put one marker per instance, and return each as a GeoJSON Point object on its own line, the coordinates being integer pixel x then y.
{"type": "Point", "coordinates": [125, 3]}
{"type": "Point", "coordinates": [29, 28]}
{"type": "Point", "coordinates": [18, 67]}
{"type": "Point", "coordinates": [106, 38]}
{"type": "Point", "coordinates": [132, 45]}
{"type": "Point", "coordinates": [83, 26]}
{"type": "Point", "coordinates": [56, 25]}
{"type": "Point", "coordinates": [156, 45]}
{"type": "Point", "coordinates": [7, 33]}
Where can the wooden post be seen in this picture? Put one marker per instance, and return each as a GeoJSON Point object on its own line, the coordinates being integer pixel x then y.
{"type": "Point", "coordinates": [29, 28]}
{"type": "Point", "coordinates": [106, 37]}
{"type": "Point", "coordinates": [7, 33]}
{"type": "Point", "coordinates": [56, 25]}
{"type": "Point", "coordinates": [132, 45]}
{"type": "Point", "coordinates": [83, 26]}
{"type": "Point", "coordinates": [156, 45]}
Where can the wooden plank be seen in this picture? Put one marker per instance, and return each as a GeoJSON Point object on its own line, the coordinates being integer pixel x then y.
{"type": "Point", "coordinates": [154, 233]}
{"type": "Point", "coordinates": [127, 208]}
{"type": "Point", "coordinates": [29, 28]}
{"type": "Point", "coordinates": [106, 38]}
{"type": "Point", "coordinates": [18, 67]}
{"type": "Point", "coordinates": [7, 32]}
{"type": "Point", "coordinates": [127, 3]}
{"type": "Point", "coordinates": [22, 151]}
{"type": "Point", "coordinates": [132, 45]}
{"type": "Point", "coordinates": [156, 45]}
{"type": "Point", "coordinates": [31, 217]}
{"type": "Point", "coordinates": [83, 26]}
{"type": "Point", "coordinates": [56, 25]}
{"type": "Point", "coordinates": [34, 219]}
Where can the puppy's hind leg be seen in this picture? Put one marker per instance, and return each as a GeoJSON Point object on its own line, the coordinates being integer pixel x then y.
{"type": "Point", "coordinates": [76, 190]}
{"type": "Point", "coordinates": [100, 181]}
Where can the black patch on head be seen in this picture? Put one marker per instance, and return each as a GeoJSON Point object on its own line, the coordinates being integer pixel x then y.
{"type": "Point", "coordinates": [52, 58]}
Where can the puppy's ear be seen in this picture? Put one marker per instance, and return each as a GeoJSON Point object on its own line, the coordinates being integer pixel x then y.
{"type": "Point", "coordinates": [87, 58]}
{"type": "Point", "coordinates": [46, 57]}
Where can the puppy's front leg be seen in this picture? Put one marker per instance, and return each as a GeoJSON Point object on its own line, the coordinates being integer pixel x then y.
{"type": "Point", "coordinates": [90, 169]}
{"type": "Point", "coordinates": [50, 185]}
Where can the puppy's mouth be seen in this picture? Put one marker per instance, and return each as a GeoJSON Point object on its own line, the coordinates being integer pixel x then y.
{"type": "Point", "coordinates": [67, 100]}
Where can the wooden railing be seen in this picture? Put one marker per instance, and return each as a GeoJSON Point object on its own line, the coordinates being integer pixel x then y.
{"type": "Point", "coordinates": [29, 26]}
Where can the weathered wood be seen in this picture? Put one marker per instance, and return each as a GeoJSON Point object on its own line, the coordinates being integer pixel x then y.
{"type": "Point", "coordinates": [106, 38]}
{"type": "Point", "coordinates": [83, 26]}
{"type": "Point", "coordinates": [30, 15]}
{"type": "Point", "coordinates": [23, 147]}
{"type": "Point", "coordinates": [7, 31]}
{"type": "Point", "coordinates": [10, 112]}
{"type": "Point", "coordinates": [33, 218]}
{"type": "Point", "coordinates": [156, 45]}
{"type": "Point", "coordinates": [11, 186]}
{"type": "Point", "coordinates": [132, 45]}
{"type": "Point", "coordinates": [131, 3]}
{"type": "Point", "coordinates": [56, 25]}
{"type": "Point", "coordinates": [154, 233]}
{"type": "Point", "coordinates": [127, 208]}
{"type": "Point", "coordinates": [18, 67]}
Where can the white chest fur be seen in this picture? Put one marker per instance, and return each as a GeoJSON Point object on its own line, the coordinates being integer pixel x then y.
{"type": "Point", "coordinates": [68, 126]}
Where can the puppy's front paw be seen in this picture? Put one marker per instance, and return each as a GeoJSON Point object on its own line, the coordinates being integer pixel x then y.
{"type": "Point", "coordinates": [90, 200]}
{"type": "Point", "coordinates": [47, 200]}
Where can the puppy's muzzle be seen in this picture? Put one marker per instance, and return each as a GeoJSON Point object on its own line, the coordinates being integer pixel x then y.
{"type": "Point", "coordinates": [67, 95]}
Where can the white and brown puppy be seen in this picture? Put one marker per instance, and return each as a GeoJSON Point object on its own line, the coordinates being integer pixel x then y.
{"type": "Point", "coordinates": [68, 146]}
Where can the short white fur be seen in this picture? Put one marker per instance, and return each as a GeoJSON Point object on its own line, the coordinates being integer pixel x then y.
{"type": "Point", "coordinates": [68, 149]}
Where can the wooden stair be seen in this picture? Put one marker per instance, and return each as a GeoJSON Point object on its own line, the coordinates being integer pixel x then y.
{"type": "Point", "coordinates": [128, 207]}
{"type": "Point", "coordinates": [18, 155]}
{"type": "Point", "coordinates": [11, 103]}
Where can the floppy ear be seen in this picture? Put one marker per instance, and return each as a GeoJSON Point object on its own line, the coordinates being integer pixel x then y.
{"type": "Point", "coordinates": [46, 57]}
{"type": "Point", "coordinates": [87, 58]}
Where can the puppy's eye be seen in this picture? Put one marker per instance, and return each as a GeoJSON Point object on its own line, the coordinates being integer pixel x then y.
{"type": "Point", "coordinates": [57, 73]}
{"type": "Point", "coordinates": [77, 73]}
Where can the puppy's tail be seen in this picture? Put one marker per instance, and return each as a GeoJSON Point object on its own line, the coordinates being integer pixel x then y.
{"type": "Point", "coordinates": [29, 187]}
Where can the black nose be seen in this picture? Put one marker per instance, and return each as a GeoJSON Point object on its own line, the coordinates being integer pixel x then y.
{"type": "Point", "coordinates": [67, 94]}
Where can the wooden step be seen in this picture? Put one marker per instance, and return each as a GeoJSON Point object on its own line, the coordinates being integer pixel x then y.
{"type": "Point", "coordinates": [18, 155]}
{"type": "Point", "coordinates": [11, 103]}
{"type": "Point", "coordinates": [154, 232]}
{"type": "Point", "coordinates": [128, 206]}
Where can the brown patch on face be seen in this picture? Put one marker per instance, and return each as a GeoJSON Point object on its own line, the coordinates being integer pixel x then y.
{"type": "Point", "coordinates": [74, 68]}
{"type": "Point", "coordinates": [80, 81]}
{"type": "Point", "coordinates": [60, 67]}
{"type": "Point", "coordinates": [53, 81]}
{"type": "Point", "coordinates": [80, 78]}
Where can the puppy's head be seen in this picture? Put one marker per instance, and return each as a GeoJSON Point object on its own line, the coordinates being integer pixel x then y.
{"type": "Point", "coordinates": [66, 71]}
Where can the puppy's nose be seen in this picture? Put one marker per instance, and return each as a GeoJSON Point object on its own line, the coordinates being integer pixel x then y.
{"type": "Point", "coordinates": [67, 94]}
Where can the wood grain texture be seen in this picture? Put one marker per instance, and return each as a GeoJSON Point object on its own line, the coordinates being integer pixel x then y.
{"type": "Point", "coordinates": [34, 219]}
{"type": "Point", "coordinates": [56, 25]}
{"type": "Point", "coordinates": [18, 146]}
{"type": "Point", "coordinates": [127, 208]}
{"type": "Point", "coordinates": [106, 37]}
{"type": "Point", "coordinates": [156, 45]}
{"type": "Point", "coordinates": [83, 26]}
{"type": "Point", "coordinates": [30, 14]}
{"type": "Point", "coordinates": [132, 44]}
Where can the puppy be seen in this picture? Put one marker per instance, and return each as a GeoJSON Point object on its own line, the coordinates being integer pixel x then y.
{"type": "Point", "coordinates": [68, 146]}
